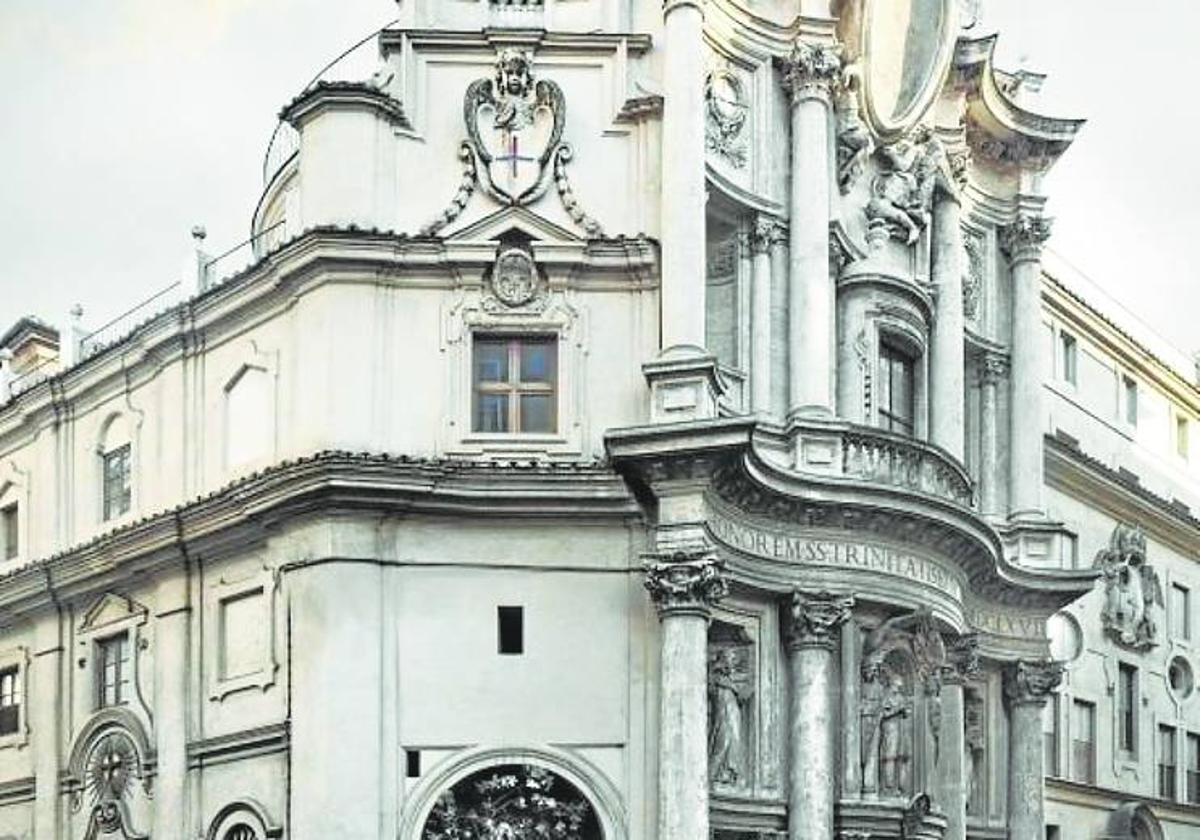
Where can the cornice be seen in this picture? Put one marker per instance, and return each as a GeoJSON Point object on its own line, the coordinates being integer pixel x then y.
{"type": "Point", "coordinates": [1109, 335]}
{"type": "Point", "coordinates": [636, 43]}
{"type": "Point", "coordinates": [334, 96]}
{"type": "Point", "coordinates": [1073, 471]}
{"type": "Point", "coordinates": [243, 513]}
{"type": "Point", "coordinates": [999, 131]}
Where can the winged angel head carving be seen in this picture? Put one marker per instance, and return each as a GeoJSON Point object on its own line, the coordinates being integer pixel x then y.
{"type": "Point", "coordinates": [515, 125]}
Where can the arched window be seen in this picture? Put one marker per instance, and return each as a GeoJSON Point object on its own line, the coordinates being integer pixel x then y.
{"type": "Point", "coordinates": [240, 831]}
{"type": "Point", "coordinates": [513, 801]}
{"type": "Point", "coordinates": [116, 468]}
{"type": "Point", "coordinates": [249, 417]}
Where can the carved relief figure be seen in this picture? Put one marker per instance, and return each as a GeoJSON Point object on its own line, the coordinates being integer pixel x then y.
{"type": "Point", "coordinates": [974, 742]}
{"type": "Point", "coordinates": [725, 116]}
{"type": "Point", "coordinates": [853, 138]}
{"type": "Point", "coordinates": [886, 704]}
{"type": "Point", "coordinates": [729, 690]}
{"type": "Point", "coordinates": [902, 193]}
{"type": "Point", "coordinates": [1131, 589]}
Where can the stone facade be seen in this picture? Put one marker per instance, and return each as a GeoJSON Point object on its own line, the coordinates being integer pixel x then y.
{"type": "Point", "coordinates": [638, 423]}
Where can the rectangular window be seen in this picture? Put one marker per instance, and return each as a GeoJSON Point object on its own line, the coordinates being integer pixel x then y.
{"type": "Point", "coordinates": [515, 384]}
{"type": "Point", "coordinates": [1181, 436]}
{"type": "Point", "coordinates": [897, 404]}
{"type": "Point", "coordinates": [1050, 736]}
{"type": "Point", "coordinates": [510, 630]}
{"type": "Point", "coordinates": [1166, 762]}
{"type": "Point", "coordinates": [1129, 390]}
{"type": "Point", "coordinates": [1126, 708]}
{"type": "Point", "coordinates": [1193, 768]}
{"type": "Point", "coordinates": [1083, 746]}
{"type": "Point", "coordinates": [117, 496]}
{"type": "Point", "coordinates": [10, 536]}
{"type": "Point", "coordinates": [112, 670]}
{"type": "Point", "coordinates": [412, 764]}
{"type": "Point", "coordinates": [1070, 357]}
{"type": "Point", "coordinates": [10, 700]}
{"type": "Point", "coordinates": [1181, 605]}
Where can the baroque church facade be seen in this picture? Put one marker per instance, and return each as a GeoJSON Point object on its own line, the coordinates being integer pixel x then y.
{"type": "Point", "coordinates": [640, 421]}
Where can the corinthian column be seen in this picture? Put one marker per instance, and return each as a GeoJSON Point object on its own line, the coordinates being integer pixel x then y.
{"type": "Point", "coordinates": [1027, 686]}
{"type": "Point", "coordinates": [946, 388]}
{"type": "Point", "coordinates": [962, 664]}
{"type": "Point", "coordinates": [993, 369]}
{"type": "Point", "coordinates": [1023, 240]}
{"type": "Point", "coordinates": [684, 587]}
{"type": "Point", "coordinates": [811, 631]}
{"type": "Point", "coordinates": [760, 322]}
{"type": "Point", "coordinates": [683, 243]}
{"type": "Point", "coordinates": [810, 74]}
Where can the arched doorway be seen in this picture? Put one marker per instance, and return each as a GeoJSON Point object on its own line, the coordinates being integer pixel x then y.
{"type": "Point", "coordinates": [512, 802]}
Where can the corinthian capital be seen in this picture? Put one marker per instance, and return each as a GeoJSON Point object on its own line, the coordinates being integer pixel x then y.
{"type": "Point", "coordinates": [815, 617]}
{"type": "Point", "coordinates": [685, 582]}
{"type": "Point", "coordinates": [1025, 236]}
{"type": "Point", "coordinates": [1032, 682]}
{"type": "Point", "coordinates": [812, 70]}
{"type": "Point", "coordinates": [762, 233]}
{"type": "Point", "coordinates": [962, 659]}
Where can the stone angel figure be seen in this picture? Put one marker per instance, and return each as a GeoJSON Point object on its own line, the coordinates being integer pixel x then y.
{"type": "Point", "coordinates": [1131, 589]}
{"type": "Point", "coordinates": [729, 690]}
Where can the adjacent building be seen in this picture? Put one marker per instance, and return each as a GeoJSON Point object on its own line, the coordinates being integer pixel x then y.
{"type": "Point", "coordinates": [638, 421]}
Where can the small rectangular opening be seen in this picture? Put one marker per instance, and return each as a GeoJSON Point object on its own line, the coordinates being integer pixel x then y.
{"type": "Point", "coordinates": [412, 763]}
{"type": "Point", "coordinates": [510, 629]}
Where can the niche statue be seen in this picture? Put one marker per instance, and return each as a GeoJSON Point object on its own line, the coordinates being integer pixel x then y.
{"type": "Point", "coordinates": [886, 704]}
{"type": "Point", "coordinates": [729, 690]}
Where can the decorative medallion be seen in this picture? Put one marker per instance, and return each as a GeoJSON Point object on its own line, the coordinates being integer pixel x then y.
{"type": "Point", "coordinates": [110, 770]}
{"type": "Point", "coordinates": [725, 116]}
{"type": "Point", "coordinates": [905, 48]}
{"type": "Point", "coordinates": [515, 125]}
{"type": "Point", "coordinates": [515, 278]}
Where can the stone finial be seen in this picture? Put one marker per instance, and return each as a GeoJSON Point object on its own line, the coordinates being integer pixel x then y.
{"type": "Point", "coordinates": [812, 71]}
{"type": "Point", "coordinates": [1024, 237]}
{"type": "Point", "coordinates": [1032, 682]}
{"type": "Point", "coordinates": [685, 581]}
{"type": "Point", "coordinates": [815, 617]}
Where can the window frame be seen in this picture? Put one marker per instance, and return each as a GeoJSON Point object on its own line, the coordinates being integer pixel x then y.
{"type": "Point", "coordinates": [1125, 709]}
{"type": "Point", "coordinates": [514, 387]}
{"type": "Point", "coordinates": [1052, 736]}
{"type": "Point", "coordinates": [1191, 767]}
{"type": "Point", "coordinates": [1167, 747]}
{"type": "Point", "coordinates": [1182, 437]}
{"type": "Point", "coordinates": [123, 685]}
{"type": "Point", "coordinates": [1184, 632]}
{"type": "Point", "coordinates": [10, 531]}
{"type": "Point", "coordinates": [1086, 774]}
{"type": "Point", "coordinates": [1068, 349]}
{"type": "Point", "coordinates": [17, 659]}
{"type": "Point", "coordinates": [1130, 401]}
{"type": "Point", "coordinates": [890, 356]}
{"type": "Point", "coordinates": [108, 506]}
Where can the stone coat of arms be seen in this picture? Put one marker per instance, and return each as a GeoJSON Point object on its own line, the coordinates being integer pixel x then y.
{"type": "Point", "coordinates": [515, 125]}
{"type": "Point", "coordinates": [1132, 589]}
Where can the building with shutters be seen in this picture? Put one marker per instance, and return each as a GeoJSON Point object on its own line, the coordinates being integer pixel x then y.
{"type": "Point", "coordinates": [638, 421]}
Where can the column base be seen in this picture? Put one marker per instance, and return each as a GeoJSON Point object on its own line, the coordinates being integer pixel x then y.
{"type": "Point", "coordinates": [888, 818]}
{"type": "Point", "coordinates": [1031, 539]}
{"type": "Point", "coordinates": [684, 385]}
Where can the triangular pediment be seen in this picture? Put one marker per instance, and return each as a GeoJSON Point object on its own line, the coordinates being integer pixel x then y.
{"type": "Point", "coordinates": [504, 221]}
{"type": "Point", "coordinates": [111, 608]}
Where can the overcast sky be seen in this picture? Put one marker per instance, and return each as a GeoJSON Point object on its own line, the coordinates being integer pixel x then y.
{"type": "Point", "coordinates": [125, 122]}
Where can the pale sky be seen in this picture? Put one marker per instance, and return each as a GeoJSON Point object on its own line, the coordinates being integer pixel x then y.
{"type": "Point", "coordinates": [128, 121]}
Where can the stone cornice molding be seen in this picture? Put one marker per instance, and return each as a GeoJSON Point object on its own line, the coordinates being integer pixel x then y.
{"type": "Point", "coordinates": [1000, 132]}
{"type": "Point", "coordinates": [241, 514]}
{"type": "Point", "coordinates": [344, 96]}
{"type": "Point", "coordinates": [1025, 236]}
{"type": "Point", "coordinates": [811, 71]}
{"type": "Point", "coordinates": [392, 40]}
{"type": "Point", "coordinates": [1031, 682]}
{"type": "Point", "coordinates": [813, 619]}
{"type": "Point", "coordinates": [685, 582]}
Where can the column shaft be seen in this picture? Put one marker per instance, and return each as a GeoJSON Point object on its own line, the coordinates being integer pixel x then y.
{"type": "Point", "coordinates": [993, 369]}
{"type": "Point", "coordinates": [1027, 687]}
{"type": "Point", "coordinates": [760, 321]}
{"type": "Point", "coordinates": [851, 723]}
{"type": "Point", "coordinates": [683, 739]}
{"type": "Point", "coordinates": [683, 227]}
{"type": "Point", "coordinates": [170, 709]}
{"type": "Point", "coordinates": [952, 770]}
{"type": "Point", "coordinates": [812, 630]}
{"type": "Point", "coordinates": [45, 710]}
{"type": "Point", "coordinates": [780, 347]}
{"type": "Point", "coordinates": [1024, 238]}
{"type": "Point", "coordinates": [811, 315]}
{"type": "Point", "coordinates": [946, 381]}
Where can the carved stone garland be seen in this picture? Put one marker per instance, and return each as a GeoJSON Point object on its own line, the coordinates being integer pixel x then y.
{"type": "Point", "coordinates": [685, 581]}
